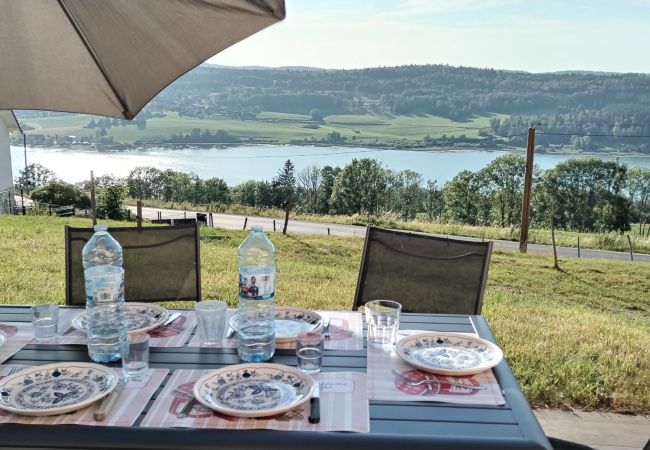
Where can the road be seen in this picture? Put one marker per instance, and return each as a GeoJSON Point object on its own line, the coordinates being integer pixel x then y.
{"type": "Point", "coordinates": [236, 222]}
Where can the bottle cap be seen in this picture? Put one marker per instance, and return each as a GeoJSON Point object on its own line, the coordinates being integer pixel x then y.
{"type": "Point", "coordinates": [256, 228]}
{"type": "Point", "coordinates": [100, 227]}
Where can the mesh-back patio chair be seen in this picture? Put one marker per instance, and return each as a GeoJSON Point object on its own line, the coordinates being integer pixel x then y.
{"type": "Point", "coordinates": [424, 273]}
{"type": "Point", "coordinates": [160, 263]}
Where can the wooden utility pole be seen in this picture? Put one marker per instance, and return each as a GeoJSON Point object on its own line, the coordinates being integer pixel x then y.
{"type": "Point", "coordinates": [93, 204]}
{"type": "Point", "coordinates": [528, 184]}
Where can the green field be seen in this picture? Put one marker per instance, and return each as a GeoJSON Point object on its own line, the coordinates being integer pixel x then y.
{"type": "Point", "coordinates": [280, 128]}
{"type": "Point", "coordinates": [575, 338]}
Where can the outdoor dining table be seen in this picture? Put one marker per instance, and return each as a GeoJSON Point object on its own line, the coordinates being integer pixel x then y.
{"type": "Point", "coordinates": [393, 424]}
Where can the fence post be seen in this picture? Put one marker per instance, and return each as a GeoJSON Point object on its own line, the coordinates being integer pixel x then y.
{"type": "Point", "coordinates": [629, 243]}
{"type": "Point", "coordinates": [139, 213]}
{"type": "Point", "coordinates": [245, 222]}
{"type": "Point", "coordinates": [328, 231]}
{"type": "Point", "coordinates": [273, 224]}
{"type": "Point", "coordinates": [211, 220]}
{"type": "Point", "coordinates": [578, 245]}
{"type": "Point", "coordinates": [555, 265]}
{"type": "Point", "coordinates": [93, 204]}
{"type": "Point", "coordinates": [184, 214]}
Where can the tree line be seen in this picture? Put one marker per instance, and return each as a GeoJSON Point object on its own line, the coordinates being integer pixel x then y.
{"type": "Point", "coordinates": [578, 194]}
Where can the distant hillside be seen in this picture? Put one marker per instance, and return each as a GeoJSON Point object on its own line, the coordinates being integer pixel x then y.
{"type": "Point", "coordinates": [580, 107]}
{"type": "Point", "coordinates": [589, 111]}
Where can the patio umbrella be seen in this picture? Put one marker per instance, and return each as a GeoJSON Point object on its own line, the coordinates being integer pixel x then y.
{"type": "Point", "coordinates": [110, 57]}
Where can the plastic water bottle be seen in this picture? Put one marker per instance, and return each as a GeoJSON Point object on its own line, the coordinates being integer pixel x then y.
{"type": "Point", "coordinates": [256, 323]}
{"type": "Point", "coordinates": [105, 311]}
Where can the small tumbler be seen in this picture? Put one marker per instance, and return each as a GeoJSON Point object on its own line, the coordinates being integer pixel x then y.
{"type": "Point", "coordinates": [136, 361]}
{"type": "Point", "coordinates": [45, 320]}
{"type": "Point", "coordinates": [382, 317]}
{"type": "Point", "coordinates": [211, 316]}
{"type": "Point", "coordinates": [309, 350]}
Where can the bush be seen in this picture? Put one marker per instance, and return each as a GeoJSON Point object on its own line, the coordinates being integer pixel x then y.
{"type": "Point", "coordinates": [60, 193]}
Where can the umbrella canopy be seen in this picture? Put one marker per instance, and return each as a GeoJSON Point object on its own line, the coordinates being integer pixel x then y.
{"type": "Point", "coordinates": [110, 57]}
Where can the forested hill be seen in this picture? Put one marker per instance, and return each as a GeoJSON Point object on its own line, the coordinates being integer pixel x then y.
{"type": "Point", "coordinates": [452, 92]}
{"type": "Point", "coordinates": [587, 110]}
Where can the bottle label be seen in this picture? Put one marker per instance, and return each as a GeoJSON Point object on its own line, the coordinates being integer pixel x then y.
{"type": "Point", "coordinates": [256, 286]}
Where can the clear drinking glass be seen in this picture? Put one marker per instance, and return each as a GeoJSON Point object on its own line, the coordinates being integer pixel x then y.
{"type": "Point", "coordinates": [382, 317]}
{"type": "Point", "coordinates": [136, 361]}
{"type": "Point", "coordinates": [45, 320]}
{"type": "Point", "coordinates": [309, 350]}
{"type": "Point", "coordinates": [211, 316]}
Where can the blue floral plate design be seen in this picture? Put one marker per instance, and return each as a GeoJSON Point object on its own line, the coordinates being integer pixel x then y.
{"type": "Point", "coordinates": [253, 390]}
{"type": "Point", "coordinates": [290, 322]}
{"type": "Point", "coordinates": [55, 388]}
{"type": "Point", "coordinates": [140, 317]}
{"type": "Point", "coordinates": [448, 353]}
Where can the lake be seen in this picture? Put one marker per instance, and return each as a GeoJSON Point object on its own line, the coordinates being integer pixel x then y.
{"type": "Point", "coordinates": [262, 162]}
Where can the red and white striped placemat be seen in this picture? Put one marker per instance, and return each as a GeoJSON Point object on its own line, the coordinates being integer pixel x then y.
{"type": "Point", "coordinates": [344, 407]}
{"type": "Point", "coordinates": [346, 333]}
{"type": "Point", "coordinates": [384, 385]}
{"type": "Point", "coordinates": [174, 335]}
{"type": "Point", "coordinates": [18, 335]}
{"type": "Point", "coordinates": [128, 407]}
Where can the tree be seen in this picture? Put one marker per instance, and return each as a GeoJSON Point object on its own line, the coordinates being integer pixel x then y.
{"type": "Point", "coordinates": [462, 198]}
{"type": "Point", "coordinates": [33, 176]}
{"type": "Point", "coordinates": [316, 115]}
{"type": "Point", "coordinates": [638, 191]}
{"type": "Point", "coordinates": [505, 183]}
{"type": "Point", "coordinates": [284, 185]}
{"type": "Point", "coordinates": [144, 183]}
{"type": "Point", "coordinates": [216, 191]}
{"type": "Point", "coordinates": [584, 195]}
{"type": "Point", "coordinates": [60, 193]}
{"type": "Point", "coordinates": [309, 184]}
{"type": "Point", "coordinates": [110, 200]}
{"type": "Point", "coordinates": [359, 188]}
{"type": "Point", "coordinates": [409, 194]}
{"type": "Point", "coordinates": [328, 176]}
{"type": "Point", "coordinates": [433, 202]}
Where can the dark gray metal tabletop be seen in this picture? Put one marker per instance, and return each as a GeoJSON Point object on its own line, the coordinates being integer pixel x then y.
{"type": "Point", "coordinates": [393, 425]}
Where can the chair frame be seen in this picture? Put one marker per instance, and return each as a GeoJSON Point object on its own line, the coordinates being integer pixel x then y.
{"type": "Point", "coordinates": [370, 231]}
{"type": "Point", "coordinates": [116, 231]}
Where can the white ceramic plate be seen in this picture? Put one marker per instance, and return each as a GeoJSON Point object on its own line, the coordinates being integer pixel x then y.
{"type": "Point", "coordinates": [3, 338]}
{"type": "Point", "coordinates": [253, 390]}
{"type": "Point", "coordinates": [55, 388]}
{"type": "Point", "coordinates": [289, 322]}
{"type": "Point", "coordinates": [449, 353]}
{"type": "Point", "coordinates": [140, 317]}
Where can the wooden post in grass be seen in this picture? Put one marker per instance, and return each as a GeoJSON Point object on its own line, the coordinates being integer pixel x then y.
{"type": "Point", "coordinates": [93, 204]}
{"type": "Point", "coordinates": [287, 210]}
{"type": "Point", "coordinates": [528, 184]}
{"type": "Point", "coordinates": [629, 243]}
{"type": "Point", "coordinates": [138, 218]}
{"type": "Point", "coordinates": [555, 265]}
{"type": "Point", "coordinates": [245, 222]}
{"type": "Point", "coordinates": [273, 224]}
{"type": "Point", "coordinates": [578, 245]}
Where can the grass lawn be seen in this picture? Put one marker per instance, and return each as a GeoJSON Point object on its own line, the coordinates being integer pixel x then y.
{"type": "Point", "coordinates": [575, 338]}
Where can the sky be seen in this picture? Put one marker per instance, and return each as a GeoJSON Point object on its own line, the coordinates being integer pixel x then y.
{"type": "Point", "coordinates": [534, 36]}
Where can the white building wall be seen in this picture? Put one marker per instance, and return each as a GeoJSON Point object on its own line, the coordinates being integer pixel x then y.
{"type": "Point", "coordinates": [6, 177]}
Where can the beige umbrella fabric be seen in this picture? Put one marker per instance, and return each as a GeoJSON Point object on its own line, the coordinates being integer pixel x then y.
{"type": "Point", "coordinates": [110, 57]}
